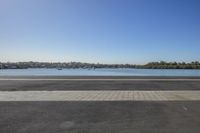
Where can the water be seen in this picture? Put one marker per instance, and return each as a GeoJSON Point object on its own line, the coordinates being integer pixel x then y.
{"type": "Point", "coordinates": [98, 72]}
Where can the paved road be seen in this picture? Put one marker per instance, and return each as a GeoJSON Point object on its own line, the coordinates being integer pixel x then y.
{"type": "Point", "coordinates": [96, 83]}
{"type": "Point", "coordinates": [100, 117]}
{"type": "Point", "coordinates": [96, 106]}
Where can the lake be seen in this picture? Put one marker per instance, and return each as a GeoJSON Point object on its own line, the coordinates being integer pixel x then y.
{"type": "Point", "coordinates": [98, 72]}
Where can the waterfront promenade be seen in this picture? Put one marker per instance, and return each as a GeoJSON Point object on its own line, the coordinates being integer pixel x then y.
{"type": "Point", "coordinates": [99, 104]}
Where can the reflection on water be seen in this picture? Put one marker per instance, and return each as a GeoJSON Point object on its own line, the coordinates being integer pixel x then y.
{"type": "Point", "coordinates": [98, 72]}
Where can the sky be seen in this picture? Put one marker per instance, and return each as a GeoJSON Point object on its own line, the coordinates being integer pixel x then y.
{"type": "Point", "coordinates": [100, 31]}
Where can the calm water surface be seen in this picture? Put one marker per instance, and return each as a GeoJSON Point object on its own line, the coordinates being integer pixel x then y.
{"type": "Point", "coordinates": [98, 72]}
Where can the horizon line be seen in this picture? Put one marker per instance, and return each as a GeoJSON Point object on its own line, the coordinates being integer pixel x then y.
{"type": "Point", "coordinates": [98, 62]}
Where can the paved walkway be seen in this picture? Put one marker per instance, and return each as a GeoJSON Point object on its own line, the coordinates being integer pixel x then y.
{"type": "Point", "coordinates": [100, 96]}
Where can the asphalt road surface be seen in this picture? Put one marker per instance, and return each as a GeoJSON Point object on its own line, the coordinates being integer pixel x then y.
{"type": "Point", "coordinates": [131, 116]}
{"type": "Point", "coordinates": [98, 83]}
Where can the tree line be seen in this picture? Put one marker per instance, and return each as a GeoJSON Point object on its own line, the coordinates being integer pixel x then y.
{"type": "Point", "coordinates": [172, 65]}
{"type": "Point", "coordinates": [74, 65]}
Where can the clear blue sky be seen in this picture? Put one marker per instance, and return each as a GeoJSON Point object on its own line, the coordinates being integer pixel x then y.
{"type": "Point", "coordinates": [104, 31]}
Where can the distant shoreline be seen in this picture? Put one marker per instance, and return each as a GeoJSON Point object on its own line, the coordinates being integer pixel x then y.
{"type": "Point", "coordinates": [77, 65]}
{"type": "Point", "coordinates": [106, 68]}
